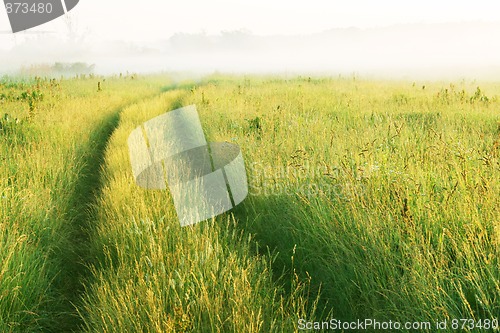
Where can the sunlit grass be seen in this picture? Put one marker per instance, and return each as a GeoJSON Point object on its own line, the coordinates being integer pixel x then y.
{"type": "Point", "coordinates": [45, 158]}
{"type": "Point", "coordinates": [156, 276]}
{"type": "Point", "coordinates": [367, 200]}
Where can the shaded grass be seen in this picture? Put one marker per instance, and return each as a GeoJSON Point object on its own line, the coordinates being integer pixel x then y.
{"type": "Point", "coordinates": [46, 183]}
{"type": "Point", "coordinates": [382, 206]}
{"type": "Point", "coordinates": [158, 277]}
{"type": "Point", "coordinates": [80, 206]}
{"type": "Point", "coordinates": [389, 206]}
{"type": "Point", "coordinates": [380, 197]}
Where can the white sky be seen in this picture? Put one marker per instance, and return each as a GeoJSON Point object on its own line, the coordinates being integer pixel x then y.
{"type": "Point", "coordinates": [146, 20]}
{"type": "Point", "coordinates": [148, 23]}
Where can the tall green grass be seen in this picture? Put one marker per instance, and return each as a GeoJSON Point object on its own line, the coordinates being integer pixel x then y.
{"type": "Point", "coordinates": [368, 199]}
{"type": "Point", "coordinates": [155, 276]}
{"type": "Point", "coordinates": [48, 160]}
{"type": "Point", "coordinates": [386, 193]}
{"type": "Point", "coordinates": [380, 197]}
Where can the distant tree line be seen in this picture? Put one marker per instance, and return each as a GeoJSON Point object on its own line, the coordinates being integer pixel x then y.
{"type": "Point", "coordinates": [59, 68]}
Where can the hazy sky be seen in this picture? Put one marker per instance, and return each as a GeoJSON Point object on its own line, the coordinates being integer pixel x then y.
{"type": "Point", "coordinates": [145, 20]}
{"type": "Point", "coordinates": [118, 35]}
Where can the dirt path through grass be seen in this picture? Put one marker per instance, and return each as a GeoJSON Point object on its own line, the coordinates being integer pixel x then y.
{"type": "Point", "coordinates": [82, 208]}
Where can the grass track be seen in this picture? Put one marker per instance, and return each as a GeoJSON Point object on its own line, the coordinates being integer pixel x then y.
{"type": "Point", "coordinates": [158, 277]}
{"type": "Point", "coordinates": [82, 207]}
{"type": "Point", "coordinates": [48, 184]}
{"type": "Point", "coordinates": [410, 232]}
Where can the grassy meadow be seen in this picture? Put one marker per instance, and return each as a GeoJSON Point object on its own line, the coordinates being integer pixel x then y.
{"type": "Point", "coordinates": [367, 199]}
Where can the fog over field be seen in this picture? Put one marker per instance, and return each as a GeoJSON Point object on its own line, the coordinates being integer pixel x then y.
{"type": "Point", "coordinates": [449, 40]}
{"type": "Point", "coordinates": [448, 50]}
